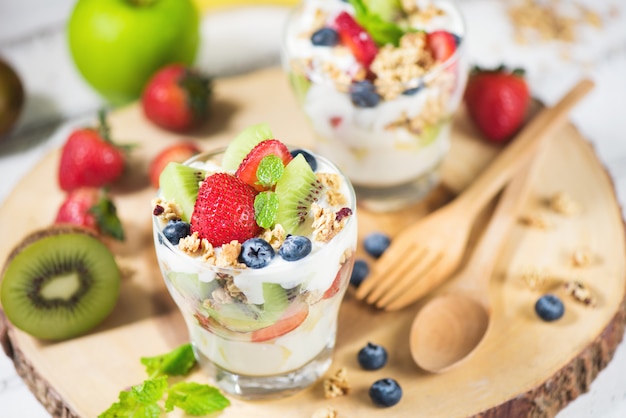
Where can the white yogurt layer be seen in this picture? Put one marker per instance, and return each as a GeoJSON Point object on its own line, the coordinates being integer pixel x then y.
{"type": "Point", "coordinates": [364, 142]}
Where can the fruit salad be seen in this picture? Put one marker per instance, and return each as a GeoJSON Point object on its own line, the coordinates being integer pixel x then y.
{"type": "Point", "coordinates": [256, 245]}
{"type": "Point", "coordinates": [379, 81]}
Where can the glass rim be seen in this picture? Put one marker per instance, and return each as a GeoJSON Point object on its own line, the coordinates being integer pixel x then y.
{"type": "Point", "coordinates": [432, 74]}
{"type": "Point", "coordinates": [206, 155]}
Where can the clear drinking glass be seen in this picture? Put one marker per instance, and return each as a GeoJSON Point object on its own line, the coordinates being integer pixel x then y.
{"type": "Point", "coordinates": [269, 332]}
{"type": "Point", "coordinates": [391, 142]}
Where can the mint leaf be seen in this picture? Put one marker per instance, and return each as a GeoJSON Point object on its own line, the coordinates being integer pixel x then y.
{"type": "Point", "coordinates": [270, 169]}
{"type": "Point", "coordinates": [105, 213]}
{"type": "Point", "coordinates": [177, 362]}
{"type": "Point", "coordinates": [382, 32]}
{"type": "Point", "coordinates": [195, 399]}
{"type": "Point", "coordinates": [140, 401]}
{"type": "Point", "coordinates": [265, 209]}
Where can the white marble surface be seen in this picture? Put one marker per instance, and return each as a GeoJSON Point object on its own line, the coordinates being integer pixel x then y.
{"type": "Point", "coordinates": [32, 39]}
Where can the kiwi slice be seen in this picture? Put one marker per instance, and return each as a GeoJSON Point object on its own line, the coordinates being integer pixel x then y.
{"type": "Point", "coordinates": [243, 144]}
{"type": "Point", "coordinates": [297, 189]}
{"type": "Point", "coordinates": [300, 85]}
{"type": "Point", "coordinates": [59, 283]}
{"type": "Point", "coordinates": [190, 286]}
{"type": "Point", "coordinates": [180, 183]}
{"type": "Point", "coordinates": [243, 317]}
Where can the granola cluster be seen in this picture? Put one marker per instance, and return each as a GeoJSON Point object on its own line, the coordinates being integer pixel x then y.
{"type": "Point", "coordinates": [337, 385]}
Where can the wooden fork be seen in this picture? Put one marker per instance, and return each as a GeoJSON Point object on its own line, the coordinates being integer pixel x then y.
{"type": "Point", "coordinates": [425, 254]}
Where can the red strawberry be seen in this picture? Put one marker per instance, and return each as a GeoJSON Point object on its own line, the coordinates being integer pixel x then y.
{"type": "Point", "coordinates": [176, 98]}
{"type": "Point", "coordinates": [441, 44]}
{"type": "Point", "coordinates": [90, 159]}
{"type": "Point", "coordinates": [336, 284]}
{"type": "Point", "coordinates": [178, 152]}
{"type": "Point", "coordinates": [248, 167]}
{"type": "Point", "coordinates": [290, 320]}
{"type": "Point", "coordinates": [91, 208]}
{"type": "Point", "coordinates": [497, 101]}
{"type": "Point", "coordinates": [224, 210]}
{"type": "Point", "coordinates": [356, 38]}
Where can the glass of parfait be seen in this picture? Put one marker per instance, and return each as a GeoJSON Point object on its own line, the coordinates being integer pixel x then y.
{"type": "Point", "coordinates": [379, 82]}
{"type": "Point", "coordinates": [256, 245]}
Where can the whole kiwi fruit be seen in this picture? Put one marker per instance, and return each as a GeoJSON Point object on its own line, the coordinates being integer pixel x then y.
{"type": "Point", "coordinates": [59, 282]}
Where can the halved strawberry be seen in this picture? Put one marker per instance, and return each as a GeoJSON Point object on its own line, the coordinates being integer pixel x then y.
{"type": "Point", "coordinates": [224, 210]}
{"type": "Point", "coordinates": [248, 168]}
{"type": "Point", "coordinates": [336, 284]}
{"type": "Point", "coordinates": [178, 152]}
{"type": "Point", "coordinates": [441, 44]}
{"type": "Point", "coordinates": [356, 38]}
{"type": "Point", "coordinates": [290, 320]}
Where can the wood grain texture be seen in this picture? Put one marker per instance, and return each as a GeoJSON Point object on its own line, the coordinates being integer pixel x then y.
{"type": "Point", "coordinates": [525, 367]}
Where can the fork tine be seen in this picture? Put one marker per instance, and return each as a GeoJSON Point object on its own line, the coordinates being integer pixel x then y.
{"type": "Point", "coordinates": [390, 278]}
{"type": "Point", "coordinates": [419, 288]}
{"type": "Point", "coordinates": [382, 269]}
{"type": "Point", "coordinates": [418, 273]}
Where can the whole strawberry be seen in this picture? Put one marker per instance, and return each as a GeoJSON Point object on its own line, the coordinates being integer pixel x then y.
{"type": "Point", "coordinates": [91, 208]}
{"type": "Point", "coordinates": [176, 98]}
{"type": "Point", "coordinates": [497, 101]}
{"type": "Point", "coordinates": [178, 152]}
{"type": "Point", "coordinates": [224, 210]}
{"type": "Point", "coordinates": [90, 159]}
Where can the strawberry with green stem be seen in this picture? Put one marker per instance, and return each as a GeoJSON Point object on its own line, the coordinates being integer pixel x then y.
{"type": "Point", "coordinates": [89, 158]}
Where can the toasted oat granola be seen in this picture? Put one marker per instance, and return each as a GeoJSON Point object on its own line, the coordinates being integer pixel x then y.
{"type": "Point", "coordinates": [582, 257]}
{"type": "Point", "coordinates": [337, 385]}
{"type": "Point", "coordinates": [325, 224]}
{"type": "Point", "coordinates": [535, 220]}
{"type": "Point", "coordinates": [166, 211]}
{"type": "Point", "coordinates": [326, 412]}
{"type": "Point", "coordinates": [564, 204]}
{"type": "Point", "coordinates": [580, 292]}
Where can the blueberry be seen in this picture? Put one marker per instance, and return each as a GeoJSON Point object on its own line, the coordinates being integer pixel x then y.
{"type": "Point", "coordinates": [175, 230]}
{"type": "Point", "coordinates": [256, 253]}
{"type": "Point", "coordinates": [549, 307]}
{"type": "Point", "coordinates": [363, 94]}
{"type": "Point", "coordinates": [372, 357]}
{"type": "Point", "coordinates": [359, 272]}
{"type": "Point", "coordinates": [295, 247]}
{"type": "Point", "coordinates": [325, 37]}
{"type": "Point", "coordinates": [376, 243]}
{"type": "Point", "coordinates": [457, 38]}
{"type": "Point", "coordinates": [307, 156]}
{"type": "Point", "coordinates": [385, 392]}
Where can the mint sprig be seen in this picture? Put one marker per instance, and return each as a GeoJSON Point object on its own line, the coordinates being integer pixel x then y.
{"type": "Point", "coordinates": [146, 399]}
{"type": "Point", "coordinates": [265, 209]}
{"type": "Point", "coordinates": [382, 31]}
{"type": "Point", "coordinates": [270, 169]}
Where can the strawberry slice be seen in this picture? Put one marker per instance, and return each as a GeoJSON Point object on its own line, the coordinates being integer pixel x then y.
{"type": "Point", "coordinates": [336, 284]}
{"type": "Point", "coordinates": [247, 170]}
{"type": "Point", "coordinates": [224, 210]}
{"type": "Point", "coordinates": [441, 44]}
{"type": "Point", "coordinates": [356, 38]}
{"type": "Point", "coordinates": [290, 320]}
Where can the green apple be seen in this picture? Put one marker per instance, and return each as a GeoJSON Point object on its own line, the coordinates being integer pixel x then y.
{"type": "Point", "coordinates": [118, 44]}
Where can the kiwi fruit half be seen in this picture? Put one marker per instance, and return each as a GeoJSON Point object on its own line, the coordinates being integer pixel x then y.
{"type": "Point", "coordinates": [297, 189]}
{"type": "Point", "coordinates": [180, 183]}
{"type": "Point", "coordinates": [59, 283]}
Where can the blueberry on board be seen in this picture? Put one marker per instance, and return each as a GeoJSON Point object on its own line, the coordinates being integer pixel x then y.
{"type": "Point", "coordinates": [307, 156]}
{"type": "Point", "coordinates": [376, 243]}
{"type": "Point", "coordinates": [372, 357]}
{"type": "Point", "coordinates": [549, 307]}
{"type": "Point", "coordinates": [325, 37]}
{"type": "Point", "coordinates": [385, 392]}
{"type": "Point", "coordinates": [175, 230]}
{"type": "Point", "coordinates": [363, 94]}
{"type": "Point", "coordinates": [256, 253]}
{"type": "Point", "coordinates": [295, 247]}
{"type": "Point", "coordinates": [359, 272]}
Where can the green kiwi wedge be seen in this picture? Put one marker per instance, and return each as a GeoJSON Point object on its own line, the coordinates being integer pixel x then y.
{"type": "Point", "coordinates": [180, 183]}
{"type": "Point", "coordinates": [59, 283]}
{"type": "Point", "coordinates": [243, 144]}
{"type": "Point", "coordinates": [297, 189]}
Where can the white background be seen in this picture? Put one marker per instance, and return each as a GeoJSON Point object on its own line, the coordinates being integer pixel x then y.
{"type": "Point", "coordinates": [32, 39]}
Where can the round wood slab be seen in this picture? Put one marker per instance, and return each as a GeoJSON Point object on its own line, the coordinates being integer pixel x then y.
{"type": "Point", "coordinates": [526, 367]}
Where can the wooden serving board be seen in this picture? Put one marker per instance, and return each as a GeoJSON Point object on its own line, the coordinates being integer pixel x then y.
{"type": "Point", "coordinates": [526, 367]}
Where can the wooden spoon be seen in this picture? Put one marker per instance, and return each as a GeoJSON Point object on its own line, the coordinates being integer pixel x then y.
{"type": "Point", "coordinates": [449, 328]}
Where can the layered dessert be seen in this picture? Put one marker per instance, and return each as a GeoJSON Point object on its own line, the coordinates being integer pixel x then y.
{"type": "Point", "coordinates": [379, 81]}
{"type": "Point", "coordinates": [256, 245]}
